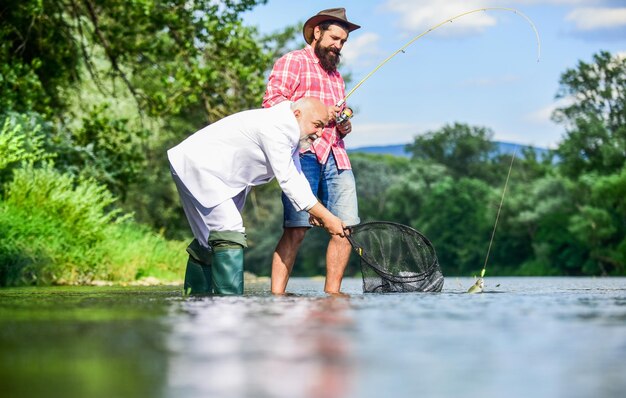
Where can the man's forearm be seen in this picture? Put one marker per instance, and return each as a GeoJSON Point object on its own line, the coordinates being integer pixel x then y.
{"type": "Point", "coordinates": [319, 211]}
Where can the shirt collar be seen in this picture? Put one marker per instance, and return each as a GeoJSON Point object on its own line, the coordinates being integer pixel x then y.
{"type": "Point", "coordinates": [311, 54]}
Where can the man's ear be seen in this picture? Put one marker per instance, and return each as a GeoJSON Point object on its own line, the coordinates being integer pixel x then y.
{"type": "Point", "coordinates": [297, 113]}
{"type": "Point", "coordinates": [317, 33]}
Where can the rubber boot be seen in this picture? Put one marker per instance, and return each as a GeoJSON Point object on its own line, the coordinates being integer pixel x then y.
{"type": "Point", "coordinates": [198, 272]}
{"type": "Point", "coordinates": [227, 271]}
{"type": "Point", "coordinates": [227, 266]}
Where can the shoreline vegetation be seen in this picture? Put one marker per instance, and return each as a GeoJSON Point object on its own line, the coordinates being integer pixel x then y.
{"type": "Point", "coordinates": [248, 277]}
{"type": "Point", "coordinates": [85, 189]}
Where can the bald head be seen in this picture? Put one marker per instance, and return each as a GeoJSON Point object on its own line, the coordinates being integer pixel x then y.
{"type": "Point", "coordinates": [310, 105]}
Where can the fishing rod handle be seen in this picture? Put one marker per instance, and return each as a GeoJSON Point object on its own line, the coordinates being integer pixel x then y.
{"type": "Point", "coordinates": [345, 115]}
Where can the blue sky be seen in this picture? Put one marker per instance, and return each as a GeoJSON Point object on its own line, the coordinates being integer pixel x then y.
{"type": "Point", "coordinates": [481, 69]}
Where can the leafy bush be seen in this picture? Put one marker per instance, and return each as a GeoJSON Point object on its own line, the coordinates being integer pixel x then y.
{"type": "Point", "coordinates": [54, 222]}
{"type": "Point", "coordinates": [21, 142]}
{"type": "Point", "coordinates": [57, 229]}
{"type": "Point", "coordinates": [78, 205]}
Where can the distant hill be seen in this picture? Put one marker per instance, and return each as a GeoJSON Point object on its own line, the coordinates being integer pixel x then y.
{"type": "Point", "coordinates": [395, 150]}
{"type": "Point", "coordinates": [398, 150]}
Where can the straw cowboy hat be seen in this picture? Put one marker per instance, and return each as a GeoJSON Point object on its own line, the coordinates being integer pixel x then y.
{"type": "Point", "coordinates": [332, 14]}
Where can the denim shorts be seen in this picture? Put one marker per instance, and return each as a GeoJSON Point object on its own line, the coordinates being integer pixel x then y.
{"type": "Point", "coordinates": [335, 189]}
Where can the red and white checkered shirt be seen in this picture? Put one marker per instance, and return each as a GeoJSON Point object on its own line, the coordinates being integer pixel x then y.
{"type": "Point", "coordinates": [298, 74]}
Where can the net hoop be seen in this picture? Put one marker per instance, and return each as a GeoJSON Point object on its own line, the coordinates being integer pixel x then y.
{"type": "Point", "coordinates": [408, 260]}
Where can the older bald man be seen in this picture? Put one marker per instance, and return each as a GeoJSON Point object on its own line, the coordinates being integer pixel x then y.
{"type": "Point", "coordinates": [215, 168]}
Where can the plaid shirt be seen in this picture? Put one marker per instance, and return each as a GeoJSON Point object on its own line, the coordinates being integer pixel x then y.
{"type": "Point", "coordinates": [298, 74]}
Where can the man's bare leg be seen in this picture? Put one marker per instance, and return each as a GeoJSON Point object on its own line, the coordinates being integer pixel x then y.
{"type": "Point", "coordinates": [337, 256]}
{"type": "Point", "coordinates": [285, 256]}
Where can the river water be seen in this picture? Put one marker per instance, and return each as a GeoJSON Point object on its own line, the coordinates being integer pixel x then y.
{"type": "Point", "coordinates": [523, 337]}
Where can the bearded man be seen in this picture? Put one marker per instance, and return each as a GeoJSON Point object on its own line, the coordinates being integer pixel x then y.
{"type": "Point", "coordinates": [312, 72]}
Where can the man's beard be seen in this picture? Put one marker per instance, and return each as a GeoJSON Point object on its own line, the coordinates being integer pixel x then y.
{"type": "Point", "coordinates": [305, 143]}
{"type": "Point", "coordinates": [328, 56]}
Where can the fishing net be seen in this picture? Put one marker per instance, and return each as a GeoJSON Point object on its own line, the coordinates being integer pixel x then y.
{"type": "Point", "coordinates": [395, 258]}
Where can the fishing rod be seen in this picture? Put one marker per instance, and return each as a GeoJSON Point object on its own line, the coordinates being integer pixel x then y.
{"type": "Point", "coordinates": [347, 112]}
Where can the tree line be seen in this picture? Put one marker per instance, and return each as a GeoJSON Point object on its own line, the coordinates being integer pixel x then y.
{"type": "Point", "coordinates": [92, 94]}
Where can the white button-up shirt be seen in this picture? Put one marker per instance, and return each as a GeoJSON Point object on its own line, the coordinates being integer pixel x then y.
{"type": "Point", "coordinates": [240, 151]}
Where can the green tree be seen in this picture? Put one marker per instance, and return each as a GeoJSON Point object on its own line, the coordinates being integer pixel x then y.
{"type": "Point", "coordinates": [596, 118]}
{"type": "Point", "coordinates": [120, 82]}
{"type": "Point", "coordinates": [375, 176]}
{"type": "Point", "coordinates": [409, 192]}
{"type": "Point", "coordinates": [172, 56]}
{"type": "Point", "coordinates": [593, 156]}
{"type": "Point", "coordinates": [540, 210]}
{"type": "Point", "coordinates": [599, 225]}
{"type": "Point", "coordinates": [465, 150]}
{"type": "Point", "coordinates": [38, 54]}
{"type": "Point", "coordinates": [456, 219]}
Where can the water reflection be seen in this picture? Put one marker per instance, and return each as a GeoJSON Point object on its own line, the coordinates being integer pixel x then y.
{"type": "Point", "coordinates": [332, 349]}
{"type": "Point", "coordinates": [540, 337]}
{"type": "Point", "coordinates": [290, 346]}
{"type": "Point", "coordinates": [82, 342]}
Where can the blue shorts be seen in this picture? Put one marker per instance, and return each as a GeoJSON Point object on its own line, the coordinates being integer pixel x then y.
{"type": "Point", "coordinates": [335, 188]}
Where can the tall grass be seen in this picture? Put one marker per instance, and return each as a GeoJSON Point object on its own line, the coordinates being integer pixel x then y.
{"type": "Point", "coordinates": [131, 252]}
{"type": "Point", "coordinates": [57, 229]}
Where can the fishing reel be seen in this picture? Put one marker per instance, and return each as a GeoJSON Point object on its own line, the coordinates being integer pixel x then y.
{"type": "Point", "coordinates": [345, 115]}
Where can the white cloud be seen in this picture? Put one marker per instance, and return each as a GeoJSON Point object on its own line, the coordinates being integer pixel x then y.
{"type": "Point", "coordinates": [430, 12]}
{"type": "Point", "coordinates": [588, 18]}
{"type": "Point", "coordinates": [360, 48]}
{"type": "Point", "coordinates": [562, 2]}
{"type": "Point", "coordinates": [590, 14]}
{"type": "Point", "coordinates": [543, 115]}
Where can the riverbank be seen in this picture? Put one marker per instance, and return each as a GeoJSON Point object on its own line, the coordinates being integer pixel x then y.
{"type": "Point", "coordinates": [248, 277]}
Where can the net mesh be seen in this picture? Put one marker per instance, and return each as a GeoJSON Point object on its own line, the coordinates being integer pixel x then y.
{"type": "Point", "coordinates": [395, 258]}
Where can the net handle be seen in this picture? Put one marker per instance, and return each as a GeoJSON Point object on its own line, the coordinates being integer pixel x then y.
{"type": "Point", "coordinates": [355, 247]}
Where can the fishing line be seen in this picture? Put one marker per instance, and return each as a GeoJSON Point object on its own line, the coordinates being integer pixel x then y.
{"type": "Point", "coordinates": [495, 225]}
{"type": "Point", "coordinates": [413, 40]}
{"type": "Point", "coordinates": [347, 112]}
{"type": "Point", "coordinates": [477, 287]}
